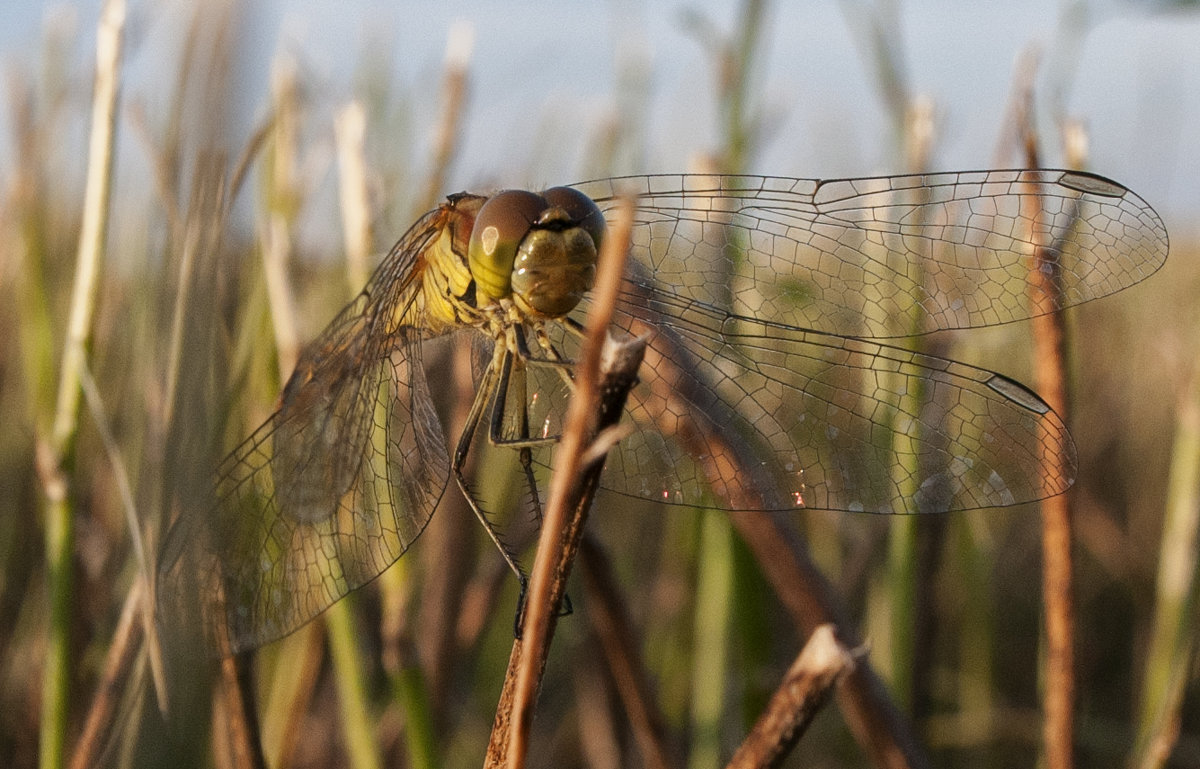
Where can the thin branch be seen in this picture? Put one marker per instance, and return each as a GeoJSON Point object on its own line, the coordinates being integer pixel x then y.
{"type": "Point", "coordinates": [610, 620]}
{"type": "Point", "coordinates": [54, 453]}
{"type": "Point", "coordinates": [145, 569]}
{"type": "Point", "coordinates": [1050, 379]}
{"type": "Point", "coordinates": [118, 662]}
{"type": "Point", "coordinates": [597, 402]}
{"type": "Point", "coordinates": [807, 596]}
{"type": "Point", "coordinates": [241, 721]}
{"type": "Point", "coordinates": [1172, 647]}
{"type": "Point", "coordinates": [803, 691]}
{"type": "Point", "coordinates": [349, 129]}
{"type": "Point", "coordinates": [459, 43]}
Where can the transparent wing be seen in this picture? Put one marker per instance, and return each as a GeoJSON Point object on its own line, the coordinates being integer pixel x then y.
{"type": "Point", "coordinates": [742, 415]}
{"type": "Point", "coordinates": [761, 391]}
{"type": "Point", "coordinates": [891, 256]}
{"type": "Point", "coordinates": [738, 414]}
{"type": "Point", "coordinates": [334, 486]}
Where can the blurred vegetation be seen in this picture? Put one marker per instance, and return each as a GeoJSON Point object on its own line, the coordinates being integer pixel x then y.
{"type": "Point", "coordinates": [207, 288]}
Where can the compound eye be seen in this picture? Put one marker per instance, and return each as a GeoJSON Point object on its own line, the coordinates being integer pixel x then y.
{"type": "Point", "coordinates": [501, 225]}
{"type": "Point", "coordinates": [583, 211]}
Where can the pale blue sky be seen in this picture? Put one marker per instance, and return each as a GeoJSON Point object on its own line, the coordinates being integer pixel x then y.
{"type": "Point", "coordinates": [1130, 73]}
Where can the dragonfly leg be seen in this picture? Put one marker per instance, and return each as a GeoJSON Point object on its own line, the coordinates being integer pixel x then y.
{"type": "Point", "coordinates": [566, 610]}
{"type": "Point", "coordinates": [561, 364]}
{"type": "Point", "coordinates": [525, 454]}
{"type": "Point", "coordinates": [574, 326]}
{"type": "Point", "coordinates": [486, 389]}
{"type": "Point", "coordinates": [510, 378]}
{"type": "Point", "coordinates": [504, 363]}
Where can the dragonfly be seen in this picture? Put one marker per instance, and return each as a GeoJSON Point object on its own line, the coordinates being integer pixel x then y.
{"type": "Point", "coordinates": [777, 374]}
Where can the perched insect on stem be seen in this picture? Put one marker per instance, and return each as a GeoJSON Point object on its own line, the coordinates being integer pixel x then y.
{"type": "Point", "coordinates": [767, 295]}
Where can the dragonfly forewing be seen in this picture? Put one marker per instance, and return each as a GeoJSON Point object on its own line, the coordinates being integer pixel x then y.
{"type": "Point", "coordinates": [850, 256]}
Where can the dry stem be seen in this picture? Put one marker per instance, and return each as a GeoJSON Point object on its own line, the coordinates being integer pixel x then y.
{"type": "Point", "coordinates": [54, 452]}
{"type": "Point", "coordinates": [117, 664]}
{"type": "Point", "coordinates": [805, 593]}
{"type": "Point", "coordinates": [610, 620]}
{"type": "Point", "coordinates": [597, 403]}
{"type": "Point", "coordinates": [1049, 364]}
{"type": "Point", "coordinates": [803, 692]}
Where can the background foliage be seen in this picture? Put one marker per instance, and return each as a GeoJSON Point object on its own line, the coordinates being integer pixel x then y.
{"type": "Point", "coordinates": [226, 224]}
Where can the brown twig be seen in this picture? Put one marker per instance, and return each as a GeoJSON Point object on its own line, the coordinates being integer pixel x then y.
{"type": "Point", "coordinates": [118, 662]}
{"type": "Point", "coordinates": [611, 623]}
{"type": "Point", "coordinates": [805, 593]}
{"type": "Point", "coordinates": [547, 585]}
{"type": "Point", "coordinates": [878, 725]}
{"type": "Point", "coordinates": [600, 743]}
{"type": "Point", "coordinates": [127, 641]}
{"type": "Point", "coordinates": [241, 721]}
{"type": "Point", "coordinates": [596, 404]}
{"type": "Point", "coordinates": [454, 95]}
{"type": "Point", "coordinates": [349, 129]}
{"type": "Point", "coordinates": [803, 692]}
{"type": "Point", "coordinates": [1049, 374]}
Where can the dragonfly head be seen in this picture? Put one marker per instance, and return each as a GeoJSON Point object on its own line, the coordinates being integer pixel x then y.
{"type": "Point", "coordinates": [539, 249]}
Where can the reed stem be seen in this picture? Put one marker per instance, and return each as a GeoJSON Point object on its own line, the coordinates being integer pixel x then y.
{"type": "Point", "coordinates": [55, 455]}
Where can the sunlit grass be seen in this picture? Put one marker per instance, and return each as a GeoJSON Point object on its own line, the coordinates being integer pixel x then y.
{"type": "Point", "coordinates": [188, 356]}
